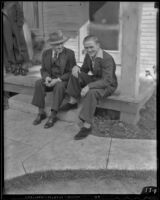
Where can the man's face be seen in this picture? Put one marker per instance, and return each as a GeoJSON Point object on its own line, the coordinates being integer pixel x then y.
{"type": "Point", "coordinates": [58, 47]}
{"type": "Point", "coordinates": [91, 47]}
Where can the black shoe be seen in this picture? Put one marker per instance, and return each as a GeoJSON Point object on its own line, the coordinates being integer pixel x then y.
{"type": "Point", "coordinates": [8, 68]}
{"type": "Point", "coordinates": [69, 106]}
{"type": "Point", "coordinates": [17, 70]}
{"type": "Point", "coordinates": [84, 132]}
{"type": "Point", "coordinates": [51, 121]}
{"type": "Point", "coordinates": [23, 72]}
{"type": "Point", "coordinates": [39, 118]}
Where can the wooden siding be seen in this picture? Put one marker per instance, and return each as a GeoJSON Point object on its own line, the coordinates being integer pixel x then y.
{"type": "Point", "coordinates": [72, 18]}
{"type": "Point", "coordinates": [148, 36]}
{"type": "Point", "coordinates": [67, 16]}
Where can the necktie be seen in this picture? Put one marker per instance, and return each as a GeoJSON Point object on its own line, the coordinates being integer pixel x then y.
{"type": "Point", "coordinates": [54, 58]}
{"type": "Point", "coordinates": [92, 65]}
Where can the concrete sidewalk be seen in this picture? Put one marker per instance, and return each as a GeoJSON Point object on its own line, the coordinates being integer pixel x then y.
{"type": "Point", "coordinates": [28, 149]}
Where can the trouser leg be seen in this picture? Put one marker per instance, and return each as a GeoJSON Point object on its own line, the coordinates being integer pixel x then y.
{"type": "Point", "coordinates": [75, 84]}
{"type": "Point", "coordinates": [58, 95]}
{"type": "Point", "coordinates": [39, 94]}
{"type": "Point", "coordinates": [8, 40]}
{"type": "Point", "coordinates": [89, 105]}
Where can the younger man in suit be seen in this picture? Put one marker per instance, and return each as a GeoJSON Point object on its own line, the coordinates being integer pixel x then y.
{"type": "Point", "coordinates": [95, 80]}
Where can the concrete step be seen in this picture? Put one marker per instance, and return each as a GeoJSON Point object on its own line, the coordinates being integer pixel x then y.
{"type": "Point", "coordinates": [22, 103]}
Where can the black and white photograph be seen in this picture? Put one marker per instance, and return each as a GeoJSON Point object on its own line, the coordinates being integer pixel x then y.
{"type": "Point", "coordinates": [79, 98]}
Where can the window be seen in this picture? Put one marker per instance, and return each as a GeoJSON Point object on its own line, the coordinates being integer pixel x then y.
{"type": "Point", "coordinates": [104, 23]}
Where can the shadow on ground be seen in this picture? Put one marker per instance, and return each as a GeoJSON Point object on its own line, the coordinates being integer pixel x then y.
{"type": "Point", "coordinates": [82, 182]}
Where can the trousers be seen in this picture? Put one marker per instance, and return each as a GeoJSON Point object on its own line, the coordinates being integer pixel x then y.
{"type": "Point", "coordinates": [91, 99]}
{"type": "Point", "coordinates": [58, 91]}
{"type": "Point", "coordinates": [8, 39]}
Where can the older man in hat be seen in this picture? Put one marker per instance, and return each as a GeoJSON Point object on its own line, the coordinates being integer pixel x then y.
{"type": "Point", "coordinates": [96, 79]}
{"type": "Point", "coordinates": [57, 64]}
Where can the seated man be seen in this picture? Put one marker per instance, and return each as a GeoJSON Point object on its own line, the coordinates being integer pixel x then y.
{"type": "Point", "coordinates": [57, 64]}
{"type": "Point", "coordinates": [96, 79]}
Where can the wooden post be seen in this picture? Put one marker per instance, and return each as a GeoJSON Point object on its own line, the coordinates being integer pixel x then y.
{"type": "Point", "coordinates": [130, 51]}
{"type": "Point", "coordinates": [83, 29]}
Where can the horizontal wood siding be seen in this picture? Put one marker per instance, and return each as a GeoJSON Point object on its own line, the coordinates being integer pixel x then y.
{"type": "Point", "coordinates": [148, 36]}
{"type": "Point", "coordinates": [66, 16]}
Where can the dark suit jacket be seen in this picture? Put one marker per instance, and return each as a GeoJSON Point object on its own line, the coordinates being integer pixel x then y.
{"type": "Point", "coordinates": [104, 73]}
{"type": "Point", "coordinates": [65, 62]}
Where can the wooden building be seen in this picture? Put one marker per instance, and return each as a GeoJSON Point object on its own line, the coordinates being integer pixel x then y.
{"type": "Point", "coordinates": [127, 30]}
{"type": "Point", "coordinates": [104, 19]}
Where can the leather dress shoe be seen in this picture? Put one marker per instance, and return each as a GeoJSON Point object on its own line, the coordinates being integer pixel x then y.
{"type": "Point", "coordinates": [23, 71]}
{"type": "Point", "coordinates": [17, 69]}
{"type": "Point", "coordinates": [39, 118]}
{"type": "Point", "coordinates": [83, 133]}
{"type": "Point", "coordinates": [8, 68]}
{"type": "Point", "coordinates": [50, 122]}
{"type": "Point", "coordinates": [69, 106]}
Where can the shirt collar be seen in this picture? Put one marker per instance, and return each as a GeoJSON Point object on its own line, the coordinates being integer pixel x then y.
{"type": "Point", "coordinates": [53, 52]}
{"type": "Point", "coordinates": [99, 54]}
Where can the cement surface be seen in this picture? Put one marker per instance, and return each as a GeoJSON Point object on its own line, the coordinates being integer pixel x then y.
{"type": "Point", "coordinates": [23, 103]}
{"type": "Point", "coordinates": [29, 148]}
{"type": "Point", "coordinates": [54, 148]}
{"type": "Point", "coordinates": [132, 154]}
{"type": "Point", "coordinates": [65, 153]}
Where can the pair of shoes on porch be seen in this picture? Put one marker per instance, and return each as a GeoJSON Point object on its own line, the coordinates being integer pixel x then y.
{"type": "Point", "coordinates": [83, 133]}
{"type": "Point", "coordinates": [39, 118]}
{"type": "Point", "coordinates": [19, 70]}
{"type": "Point", "coordinates": [68, 106]}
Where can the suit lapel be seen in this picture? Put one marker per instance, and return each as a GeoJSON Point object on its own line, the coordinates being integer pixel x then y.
{"type": "Point", "coordinates": [60, 62]}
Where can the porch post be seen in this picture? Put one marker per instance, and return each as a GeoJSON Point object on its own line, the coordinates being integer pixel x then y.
{"type": "Point", "coordinates": [130, 51]}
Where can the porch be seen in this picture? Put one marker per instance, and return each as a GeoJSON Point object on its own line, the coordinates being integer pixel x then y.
{"type": "Point", "coordinates": [128, 107]}
{"type": "Point", "coordinates": [134, 89]}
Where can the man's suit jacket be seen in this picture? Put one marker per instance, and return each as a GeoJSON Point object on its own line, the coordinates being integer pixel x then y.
{"type": "Point", "coordinates": [103, 71]}
{"type": "Point", "coordinates": [64, 64]}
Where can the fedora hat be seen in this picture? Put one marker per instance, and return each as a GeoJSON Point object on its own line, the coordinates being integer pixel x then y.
{"type": "Point", "coordinates": [57, 37]}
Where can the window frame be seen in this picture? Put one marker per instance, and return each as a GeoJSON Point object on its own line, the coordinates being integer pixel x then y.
{"type": "Point", "coordinates": [115, 53]}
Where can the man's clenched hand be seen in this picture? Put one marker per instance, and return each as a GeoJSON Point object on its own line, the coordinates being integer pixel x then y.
{"type": "Point", "coordinates": [47, 81]}
{"type": "Point", "coordinates": [75, 71]}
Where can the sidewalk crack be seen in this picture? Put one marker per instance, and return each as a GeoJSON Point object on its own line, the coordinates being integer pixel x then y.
{"type": "Point", "coordinates": [23, 167]}
{"type": "Point", "coordinates": [107, 161]}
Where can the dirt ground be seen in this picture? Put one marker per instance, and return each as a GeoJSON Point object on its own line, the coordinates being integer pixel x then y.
{"type": "Point", "coordinates": [82, 182]}
{"type": "Point", "coordinates": [145, 129]}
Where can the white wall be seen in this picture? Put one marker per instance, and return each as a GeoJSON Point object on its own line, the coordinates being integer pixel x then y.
{"type": "Point", "coordinates": [148, 36]}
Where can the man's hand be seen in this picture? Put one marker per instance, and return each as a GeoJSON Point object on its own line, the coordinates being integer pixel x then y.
{"type": "Point", "coordinates": [75, 71]}
{"type": "Point", "coordinates": [84, 91]}
{"type": "Point", "coordinates": [47, 81]}
{"type": "Point", "coordinates": [54, 81]}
